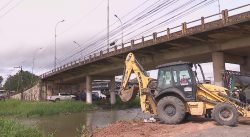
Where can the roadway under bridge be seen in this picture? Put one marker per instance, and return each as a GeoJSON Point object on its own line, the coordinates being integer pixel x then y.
{"type": "Point", "coordinates": [226, 40]}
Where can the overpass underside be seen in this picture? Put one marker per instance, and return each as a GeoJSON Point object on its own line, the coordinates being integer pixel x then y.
{"type": "Point", "coordinates": [222, 41]}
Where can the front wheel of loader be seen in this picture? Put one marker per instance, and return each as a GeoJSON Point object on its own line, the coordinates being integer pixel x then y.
{"type": "Point", "coordinates": [171, 110]}
{"type": "Point", "coordinates": [225, 114]}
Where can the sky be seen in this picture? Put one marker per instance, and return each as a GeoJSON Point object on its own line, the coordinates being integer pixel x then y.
{"type": "Point", "coordinates": [27, 28]}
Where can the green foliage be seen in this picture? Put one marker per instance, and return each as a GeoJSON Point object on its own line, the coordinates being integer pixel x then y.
{"type": "Point", "coordinates": [1, 79]}
{"type": "Point", "coordinates": [9, 128]}
{"type": "Point", "coordinates": [119, 104]}
{"type": "Point", "coordinates": [131, 104]}
{"type": "Point", "coordinates": [21, 81]}
{"type": "Point", "coordinates": [25, 108]}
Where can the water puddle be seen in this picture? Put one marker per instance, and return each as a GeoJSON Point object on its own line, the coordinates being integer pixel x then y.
{"type": "Point", "coordinates": [66, 125]}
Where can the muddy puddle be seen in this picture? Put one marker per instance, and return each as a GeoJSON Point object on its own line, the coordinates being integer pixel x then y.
{"type": "Point", "coordinates": [68, 125]}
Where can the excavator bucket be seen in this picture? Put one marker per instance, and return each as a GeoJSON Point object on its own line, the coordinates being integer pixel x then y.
{"type": "Point", "coordinates": [128, 94]}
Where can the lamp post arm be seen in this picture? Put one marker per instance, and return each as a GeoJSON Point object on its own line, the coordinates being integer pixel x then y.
{"type": "Point", "coordinates": [121, 26]}
{"type": "Point", "coordinates": [55, 42]}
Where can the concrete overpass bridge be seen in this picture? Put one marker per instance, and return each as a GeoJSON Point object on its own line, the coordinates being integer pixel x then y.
{"type": "Point", "coordinates": [226, 40]}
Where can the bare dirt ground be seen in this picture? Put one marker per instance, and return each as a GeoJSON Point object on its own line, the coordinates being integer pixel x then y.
{"type": "Point", "coordinates": [194, 127]}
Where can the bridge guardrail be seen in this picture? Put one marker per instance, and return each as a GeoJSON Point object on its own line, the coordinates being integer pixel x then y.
{"type": "Point", "coordinates": [177, 31]}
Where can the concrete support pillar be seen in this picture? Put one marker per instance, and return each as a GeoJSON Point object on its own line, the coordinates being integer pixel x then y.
{"type": "Point", "coordinates": [245, 67]}
{"type": "Point", "coordinates": [88, 89]}
{"type": "Point", "coordinates": [218, 66]}
{"type": "Point", "coordinates": [42, 89]}
{"type": "Point", "coordinates": [112, 91]}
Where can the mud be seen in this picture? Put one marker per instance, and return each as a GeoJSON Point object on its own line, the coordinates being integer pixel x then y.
{"type": "Point", "coordinates": [193, 127]}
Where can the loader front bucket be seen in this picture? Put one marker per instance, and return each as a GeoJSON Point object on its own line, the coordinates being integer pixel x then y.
{"type": "Point", "coordinates": [128, 94]}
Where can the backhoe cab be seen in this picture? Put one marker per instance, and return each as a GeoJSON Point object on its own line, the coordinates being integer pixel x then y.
{"type": "Point", "coordinates": [178, 93]}
{"type": "Point", "coordinates": [177, 79]}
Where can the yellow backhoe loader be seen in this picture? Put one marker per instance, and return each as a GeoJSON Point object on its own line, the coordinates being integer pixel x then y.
{"type": "Point", "coordinates": [178, 92]}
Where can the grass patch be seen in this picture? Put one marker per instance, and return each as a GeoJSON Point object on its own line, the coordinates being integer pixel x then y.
{"type": "Point", "coordinates": [25, 108]}
{"type": "Point", "coordinates": [9, 128]}
{"type": "Point", "coordinates": [124, 105]}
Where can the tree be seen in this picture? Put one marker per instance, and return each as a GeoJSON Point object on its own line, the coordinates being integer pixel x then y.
{"type": "Point", "coordinates": [20, 81]}
{"type": "Point", "coordinates": [1, 80]}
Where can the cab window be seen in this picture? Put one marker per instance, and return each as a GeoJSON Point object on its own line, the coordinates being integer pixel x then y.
{"type": "Point", "coordinates": [181, 76]}
{"type": "Point", "coordinates": [164, 78]}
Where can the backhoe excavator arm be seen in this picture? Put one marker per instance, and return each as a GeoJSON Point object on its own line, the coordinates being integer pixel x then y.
{"type": "Point", "coordinates": [146, 99]}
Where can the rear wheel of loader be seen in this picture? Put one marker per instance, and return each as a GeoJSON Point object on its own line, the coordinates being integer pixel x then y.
{"type": "Point", "coordinates": [225, 114]}
{"type": "Point", "coordinates": [171, 110]}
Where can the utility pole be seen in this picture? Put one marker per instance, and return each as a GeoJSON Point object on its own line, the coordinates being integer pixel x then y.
{"type": "Point", "coordinates": [9, 85]}
{"type": "Point", "coordinates": [33, 64]}
{"type": "Point", "coordinates": [219, 8]}
{"type": "Point", "coordinates": [108, 23]}
{"type": "Point", "coordinates": [19, 84]}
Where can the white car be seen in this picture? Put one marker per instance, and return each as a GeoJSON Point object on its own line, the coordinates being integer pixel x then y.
{"type": "Point", "coordinates": [99, 94]}
{"type": "Point", "coordinates": [61, 96]}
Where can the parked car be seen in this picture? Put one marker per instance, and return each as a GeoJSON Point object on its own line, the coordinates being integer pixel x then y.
{"type": "Point", "coordinates": [99, 94]}
{"type": "Point", "coordinates": [82, 96]}
{"type": "Point", "coordinates": [61, 96]}
{"type": "Point", "coordinates": [3, 96]}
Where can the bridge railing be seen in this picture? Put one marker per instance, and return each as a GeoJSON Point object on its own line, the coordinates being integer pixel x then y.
{"type": "Point", "coordinates": [176, 31]}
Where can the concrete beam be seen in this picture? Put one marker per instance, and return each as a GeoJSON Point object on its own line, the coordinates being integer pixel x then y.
{"type": "Point", "coordinates": [96, 71]}
{"type": "Point", "coordinates": [218, 66]}
{"type": "Point", "coordinates": [88, 89]}
{"type": "Point", "coordinates": [192, 53]}
{"type": "Point", "coordinates": [233, 59]}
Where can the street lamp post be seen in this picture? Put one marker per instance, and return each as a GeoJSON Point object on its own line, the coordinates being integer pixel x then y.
{"type": "Point", "coordinates": [79, 46]}
{"type": "Point", "coordinates": [18, 81]}
{"type": "Point", "coordinates": [121, 26]}
{"type": "Point", "coordinates": [33, 63]}
{"type": "Point", "coordinates": [55, 41]}
{"type": "Point", "coordinates": [34, 57]}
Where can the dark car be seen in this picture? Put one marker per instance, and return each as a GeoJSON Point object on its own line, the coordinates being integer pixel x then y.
{"type": "Point", "coordinates": [82, 96]}
{"type": "Point", "coordinates": [3, 96]}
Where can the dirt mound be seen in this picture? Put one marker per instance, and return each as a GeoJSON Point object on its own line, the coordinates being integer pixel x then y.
{"type": "Point", "coordinates": [141, 129]}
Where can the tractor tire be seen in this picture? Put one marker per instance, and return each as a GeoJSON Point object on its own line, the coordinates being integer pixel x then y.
{"type": "Point", "coordinates": [171, 110]}
{"type": "Point", "coordinates": [225, 114]}
{"type": "Point", "coordinates": [57, 99]}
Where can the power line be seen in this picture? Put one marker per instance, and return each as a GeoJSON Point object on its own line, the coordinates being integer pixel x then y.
{"type": "Point", "coordinates": [95, 45]}
{"type": "Point", "coordinates": [148, 16]}
{"type": "Point", "coordinates": [74, 25]}
{"type": "Point", "coordinates": [147, 24]}
{"type": "Point", "coordinates": [178, 14]}
{"type": "Point", "coordinates": [83, 17]}
{"type": "Point", "coordinates": [8, 11]}
{"type": "Point", "coordinates": [151, 11]}
{"type": "Point", "coordinates": [105, 29]}
{"type": "Point", "coordinates": [172, 11]}
{"type": "Point", "coordinates": [6, 5]}
{"type": "Point", "coordinates": [175, 15]}
{"type": "Point", "coordinates": [174, 18]}
{"type": "Point", "coordinates": [137, 18]}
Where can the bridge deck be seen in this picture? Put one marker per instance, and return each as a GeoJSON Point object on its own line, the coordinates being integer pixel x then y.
{"type": "Point", "coordinates": [229, 34]}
